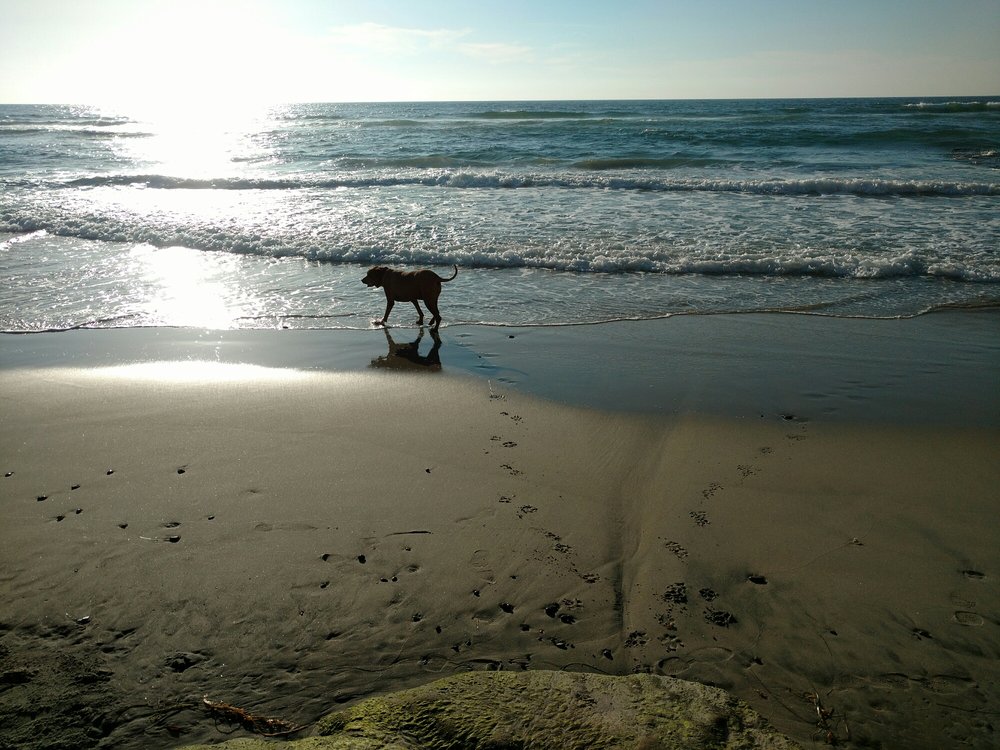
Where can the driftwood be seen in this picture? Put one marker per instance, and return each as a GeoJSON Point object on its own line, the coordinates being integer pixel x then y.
{"type": "Point", "coordinates": [238, 717]}
{"type": "Point", "coordinates": [826, 720]}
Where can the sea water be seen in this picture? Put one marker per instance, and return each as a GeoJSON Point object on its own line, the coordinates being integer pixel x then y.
{"type": "Point", "coordinates": [555, 212]}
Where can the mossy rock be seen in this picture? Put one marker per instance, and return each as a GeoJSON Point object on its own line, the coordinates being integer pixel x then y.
{"type": "Point", "coordinates": [544, 710]}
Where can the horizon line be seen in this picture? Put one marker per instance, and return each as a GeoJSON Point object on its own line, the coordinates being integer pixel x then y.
{"type": "Point", "coordinates": [530, 99]}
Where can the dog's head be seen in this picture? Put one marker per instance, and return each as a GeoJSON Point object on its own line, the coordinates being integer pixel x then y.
{"type": "Point", "coordinates": [374, 276]}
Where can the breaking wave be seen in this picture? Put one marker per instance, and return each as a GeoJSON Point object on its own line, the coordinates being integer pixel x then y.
{"type": "Point", "coordinates": [718, 261]}
{"type": "Point", "coordinates": [461, 179]}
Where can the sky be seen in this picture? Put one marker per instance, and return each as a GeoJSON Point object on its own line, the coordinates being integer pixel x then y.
{"type": "Point", "coordinates": [269, 51]}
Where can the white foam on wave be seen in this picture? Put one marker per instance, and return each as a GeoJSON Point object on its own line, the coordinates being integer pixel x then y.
{"type": "Point", "coordinates": [956, 104]}
{"type": "Point", "coordinates": [17, 239]}
{"type": "Point", "coordinates": [710, 260]}
{"type": "Point", "coordinates": [512, 180]}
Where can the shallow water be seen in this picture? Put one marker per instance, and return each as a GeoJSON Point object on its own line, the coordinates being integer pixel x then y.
{"type": "Point", "coordinates": [557, 213]}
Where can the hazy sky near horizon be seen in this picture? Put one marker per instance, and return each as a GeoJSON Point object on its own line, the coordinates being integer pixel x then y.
{"type": "Point", "coordinates": [200, 51]}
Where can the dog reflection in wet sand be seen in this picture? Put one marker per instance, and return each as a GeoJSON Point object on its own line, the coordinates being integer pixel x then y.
{"type": "Point", "coordinates": [407, 356]}
{"type": "Point", "coordinates": [409, 286]}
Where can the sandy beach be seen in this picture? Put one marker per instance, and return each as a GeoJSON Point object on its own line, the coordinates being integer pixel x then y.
{"type": "Point", "coordinates": [291, 521]}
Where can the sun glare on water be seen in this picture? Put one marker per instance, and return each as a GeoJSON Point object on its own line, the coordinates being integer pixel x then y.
{"type": "Point", "coordinates": [198, 141]}
{"type": "Point", "coordinates": [197, 77]}
{"type": "Point", "coordinates": [187, 288]}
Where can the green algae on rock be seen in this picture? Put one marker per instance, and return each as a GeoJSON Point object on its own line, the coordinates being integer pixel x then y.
{"type": "Point", "coordinates": [524, 710]}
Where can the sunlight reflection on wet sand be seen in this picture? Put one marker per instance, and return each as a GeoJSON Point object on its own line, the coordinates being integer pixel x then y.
{"type": "Point", "coordinates": [200, 371]}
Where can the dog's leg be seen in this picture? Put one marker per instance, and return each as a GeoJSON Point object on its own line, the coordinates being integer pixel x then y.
{"type": "Point", "coordinates": [435, 315]}
{"type": "Point", "coordinates": [420, 313]}
{"type": "Point", "coordinates": [389, 302]}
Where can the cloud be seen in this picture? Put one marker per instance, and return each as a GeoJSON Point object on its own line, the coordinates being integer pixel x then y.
{"type": "Point", "coordinates": [399, 41]}
{"type": "Point", "coordinates": [393, 39]}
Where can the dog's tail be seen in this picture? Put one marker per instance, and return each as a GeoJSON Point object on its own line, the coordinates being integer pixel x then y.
{"type": "Point", "coordinates": [452, 276]}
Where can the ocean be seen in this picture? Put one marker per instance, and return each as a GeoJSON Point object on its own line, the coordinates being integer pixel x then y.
{"type": "Point", "coordinates": [556, 213]}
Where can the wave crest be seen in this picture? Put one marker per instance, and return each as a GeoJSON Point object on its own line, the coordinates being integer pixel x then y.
{"type": "Point", "coordinates": [789, 261]}
{"type": "Point", "coordinates": [463, 179]}
{"type": "Point", "coordinates": [530, 114]}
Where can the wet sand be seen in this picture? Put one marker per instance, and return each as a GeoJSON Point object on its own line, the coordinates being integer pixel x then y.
{"type": "Point", "coordinates": [292, 540]}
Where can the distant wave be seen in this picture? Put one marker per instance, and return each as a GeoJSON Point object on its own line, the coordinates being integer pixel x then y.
{"type": "Point", "coordinates": [955, 106]}
{"type": "Point", "coordinates": [69, 130]}
{"type": "Point", "coordinates": [422, 161]}
{"type": "Point", "coordinates": [94, 122]}
{"type": "Point", "coordinates": [307, 117]}
{"type": "Point", "coordinates": [392, 123]}
{"type": "Point", "coordinates": [459, 179]}
{"type": "Point", "coordinates": [529, 114]}
{"type": "Point", "coordinates": [987, 157]}
{"type": "Point", "coordinates": [670, 162]}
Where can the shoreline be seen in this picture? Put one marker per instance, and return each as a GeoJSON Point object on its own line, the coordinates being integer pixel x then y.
{"type": "Point", "coordinates": [938, 368]}
{"type": "Point", "coordinates": [270, 521]}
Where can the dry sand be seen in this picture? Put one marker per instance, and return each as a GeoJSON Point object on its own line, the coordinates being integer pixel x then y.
{"type": "Point", "coordinates": [289, 542]}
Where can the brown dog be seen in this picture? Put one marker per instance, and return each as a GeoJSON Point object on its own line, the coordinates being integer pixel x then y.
{"type": "Point", "coordinates": [409, 286]}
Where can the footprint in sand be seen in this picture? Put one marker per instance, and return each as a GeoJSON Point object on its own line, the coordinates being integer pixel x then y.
{"type": "Point", "coordinates": [700, 517]}
{"type": "Point", "coordinates": [708, 594]}
{"type": "Point", "coordinates": [675, 549]}
{"type": "Point", "coordinates": [948, 684]}
{"type": "Point", "coordinates": [709, 491]}
{"type": "Point", "coordinates": [891, 681]}
{"type": "Point", "coordinates": [676, 593]}
{"type": "Point", "coordinates": [970, 619]}
{"type": "Point", "coordinates": [720, 617]}
{"type": "Point", "coordinates": [962, 602]}
{"type": "Point", "coordinates": [636, 638]}
{"type": "Point", "coordinates": [480, 562]}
